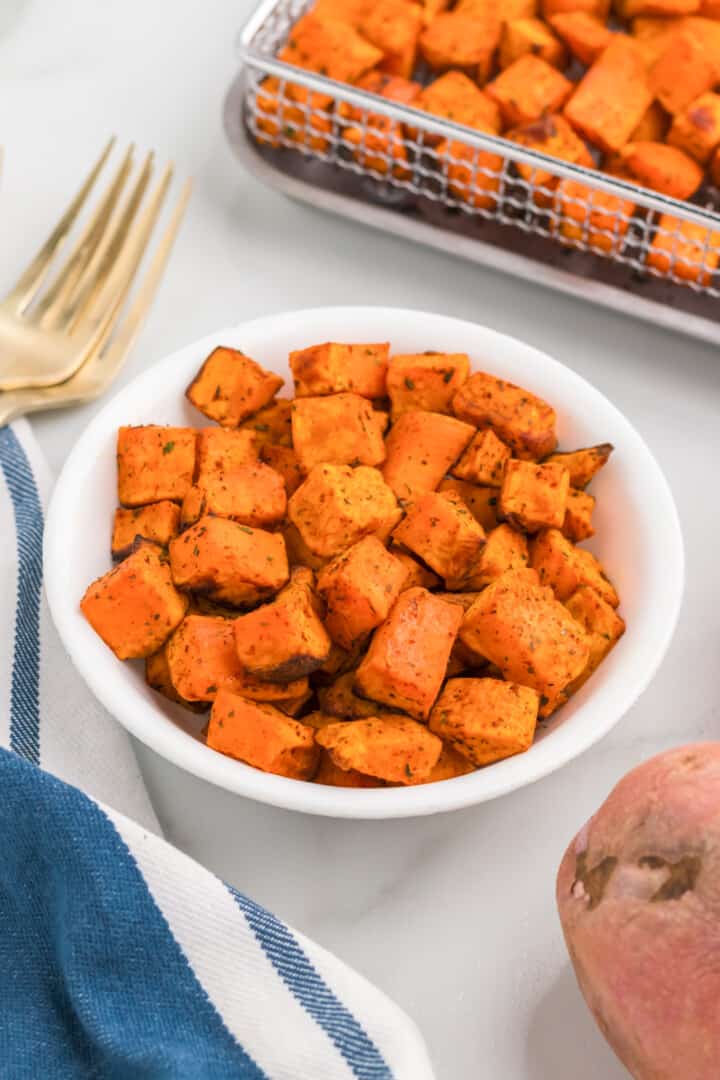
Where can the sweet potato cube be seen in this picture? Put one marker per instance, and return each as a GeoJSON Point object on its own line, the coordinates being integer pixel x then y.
{"type": "Point", "coordinates": [697, 129]}
{"type": "Point", "coordinates": [380, 146]}
{"type": "Point", "coordinates": [359, 587]}
{"type": "Point", "coordinates": [285, 639]}
{"type": "Point", "coordinates": [449, 765]}
{"type": "Point", "coordinates": [486, 720]}
{"type": "Point", "coordinates": [291, 112]}
{"type": "Point", "coordinates": [473, 176]}
{"type": "Point", "coordinates": [395, 749]}
{"type": "Point", "coordinates": [482, 502]}
{"type": "Point", "coordinates": [564, 567]}
{"type": "Point", "coordinates": [522, 420]}
{"type": "Point", "coordinates": [338, 429]}
{"type": "Point", "coordinates": [612, 97]}
{"type": "Point", "coordinates": [159, 522]}
{"type": "Point", "coordinates": [425, 381]}
{"type": "Point", "coordinates": [271, 425]}
{"type": "Point", "coordinates": [630, 9]}
{"type": "Point", "coordinates": [592, 217]}
{"type": "Point", "coordinates": [534, 496]}
{"type": "Point", "coordinates": [230, 387]}
{"type": "Point", "coordinates": [662, 168]}
{"type": "Point", "coordinates": [220, 450]}
{"type": "Point", "coordinates": [332, 368]}
{"type": "Point", "coordinates": [578, 516]}
{"type": "Point", "coordinates": [332, 775]}
{"type": "Point", "coordinates": [454, 96]}
{"type": "Point", "coordinates": [598, 8]}
{"type": "Point", "coordinates": [330, 47]}
{"type": "Point", "coordinates": [509, 9]}
{"type": "Point", "coordinates": [685, 249]}
{"type": "Point", "coordinates": [337, 506]}
{"type": "Point", "coordinates": [504, 550]}
{"type": "Point", "coordinates": [415, 572]}
{"type": "Point", "coordinates": [682, 73]}
{"type": "Point", "coordinates": [405, 664]}
{"type": "Point", "coordinates": [340, 700]}
{"type": "Point", "coordinates": [585, 35]}
{"type": "Point", "coordinates": [550, 135]}
{"type": "Point", "coordinates": [420, 449]}
{"type": "Point", "coordinates": [601, 623]}
{"type": "Point", "coordinates": [201, 658]}
{"type": "Point", "coordinates": [463, 42]}
{"type": "Point", "coordinates": [521, 628]}
{"type": "Point", "coordinates": [393, 87]}
{"type": "Point", "coordinates": [157, 676]}
{"type": "Point", "coordinates": [262, 736]}
{"type": "Point", "coordinates": [521, 37]}
{"type": "Point", "coordinates": [483, 462]}
{"type": "Point", "coordinates": [284, 461]}
{"type": "Point", "coordinates": [394, 26]}
{"type": "Point", "coordinates": [583, 464]}
{"type": "Point", "coordinates": [349, 11]}
{"type": "Point", "coordinates": [154, 463]}
{"type": "Point", "coordinates": [529, 88]}
{"type": "Point", "coordinates": [249, 494]}
{"type": "Point", "coordinates": [654, 125]}
{"type": "Point", "coordinates": [231, 563]}
{"type": "Point", "coordinates": [440, 530]}
{"type": "Point", "coordinates": [135, 607]}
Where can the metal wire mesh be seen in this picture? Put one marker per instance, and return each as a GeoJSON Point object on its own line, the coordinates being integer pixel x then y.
{"type": "Point", "coordinates": [413, 156]}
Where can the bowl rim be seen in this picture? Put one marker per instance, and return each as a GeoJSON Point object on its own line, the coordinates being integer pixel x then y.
{"type": "Point", "coordinates": [184, 751]}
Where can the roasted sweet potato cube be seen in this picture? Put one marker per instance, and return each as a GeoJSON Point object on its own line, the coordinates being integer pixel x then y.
{"type": "Point", "coordinates": [654, 125]}
{"type": "Point", "coordinates": [405, 664]}
{"type": "Point", "coordinates": [394, 26]}
{"type": "Point", "coordinates": [697, 129]}
{"type": "Point", "coordinates": [564, 567]}
{"type": "Point", "coordinates": [135, 607]}
{"type": "Point", "coordinates": [550, 135]}
{"type": "Point", "coordinates": [483, 462]}
{"type": "Point", "coordinates": [683, 72]}
{"type": "Point", "coordinates": [271, 425]}
{"type": "Point", "coordinates": [630, 9]}
{"type": "Point", "coordinates": [440, 530]}
{"type": "Point", "coordinates": [522, 420]}
{"type": "Point", "coordinates": [456, 97]}
{"type": "Point", "coordinates": [473, 176]}
{"type": "Point", "coordinates": [529, 88]}
{"type": "Point", "coordinates": [249, 494]}
{"type": "Point", "coordinates": [393, 87]}
{"type": "Point", "coordinates": [486, 720]}
{"type": "Point", "coordinates": [601, 623]}
{"type": "Point", "coordinates": [685, 249]}
{"type": "Point", "coordinates": [262, 736]}
{"type": "Point", "coordinates": [504, 549]}
{"type": "Point", "coordinates": [220, 450]}
{"type": "Point", "coordinates": [612, 97]}
{"type": "Point", "coordinates": [583, 464]}
{"type": "Point", "coordinates": [340, 700]}
{"type": "Point", "coordinates": [585, 35]}
{"type": "Point", "coordinates": [463, 42]}
{"type": "Point", "coordinates": [588, 216]}
{"type": "Point", "coordinates": [598, 8]}
{"type": "Point", "coordinates": [449, 765]}
{"type": "Point", "coordinates": [284, 460]}
{"type": "Point", "coordinates": [332, 368]}
{"type": "Point", "coordinates": [230, 387]}
{"type": "Point", "coordinates": [154, 463]}
{"type": "Point", "coordinates": [534, 496]}
{"type": "Point", "coordinates": [159, 522]}
{"type": "Point", "coordinates": [415, 572]}
{"type": "Point", "coordinates": [332, 775]}
{"type": "Point", "coordinates": [395, 749]}
{"type": "Point", "coordinates": [359, 587]}
{"type": "Point", "coordinates": [380, 146]}
{"type": "Point", "coordinates": [231, 563]}
{"type": "Point", "coordinates": [520, 626]}
{"type": "Point", "coordinates": [521, 37]}
{"type": "Point", "coordinates": [201, 658]}
{"type": "Point", "coordinates": [482, 502]}
{"type": "Point", "coordinates": [285, 639]}
{"type": "Point", "coordinates": [420, 448]}
{"type": "Point", "coordinates": [157, 676]}
{"type": "Point", "coordinates": [330, 47]}
{"type": "Point", "coordinates": [425, 381]}
{"type": "Point", "coordinates": [509, 9]}
{"type": "Point", "coordinates": [337, 429]}
{"type": "Point", "coordinates": [298, 553]}
{"type": "Point", "coordinates": [349, 11]}
{"type": "Point", "coordinates": [288, 111]}
{"type": "Point", "coordinates": [337, 506]}
{"type": "Point", "coordinates": [578, 516]}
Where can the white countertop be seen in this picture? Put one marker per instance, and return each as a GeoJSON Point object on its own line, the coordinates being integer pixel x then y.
{"type": "Point", "coordinates": [453, 916]}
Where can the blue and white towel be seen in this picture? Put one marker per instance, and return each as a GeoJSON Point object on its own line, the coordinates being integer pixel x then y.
{"type": "Point", "coordinates": [119, 956]}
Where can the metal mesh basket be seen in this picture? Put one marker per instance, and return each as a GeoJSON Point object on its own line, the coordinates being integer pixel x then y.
{"type": "Point", "coordinates": [471, 182]}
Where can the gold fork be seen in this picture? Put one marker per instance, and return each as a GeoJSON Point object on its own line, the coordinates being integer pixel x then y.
{"type": "Point", "coordinates": [46, 338]}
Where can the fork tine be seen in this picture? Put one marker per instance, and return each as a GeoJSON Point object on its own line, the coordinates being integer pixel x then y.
{"type": "Point", "coordinates": [32, 278]}
{"type": "Point", "coordinates": [85, 248]}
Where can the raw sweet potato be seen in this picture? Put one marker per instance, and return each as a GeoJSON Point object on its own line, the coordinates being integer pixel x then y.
{"type": "Point", "coordinates": [466, 43]}
{"type": "Point", "coordinates": [336, 429]}
{"type": "Point", "coordinates": [578, 525]}
{"type": "Point", "coordinates": [696, 130]}
{"type": "Point", "coordinates": [262, 736]}
{"type": "Point", "coordinates": [564, 567]}
{"type": "Point", "coordinates": [583, 464]}
{"type": "Point", "coordinates": [337, 506]}
{"type": "Point", "coordinates": [154, 463]}
{"type": "Point", "coordinates": [685, 249]}
{"type": "Point", "coordinates": [220, 450]}
{"type": "Point", "coordinates": [420, 448]}
{"type": "Point", "coordinates": [534, 496]}
{"type": "Point", "coordinates": [425, 381]}
{"type": "Point", "coordinates": [484, 460]}
{"type": "Point", "coordinates": [522, 420]}
{"type": "Point", "coordinates": [486, 720]}
{"type": "Point", "coordinates": [159, 522]}
{"type": "Point", "coordinates": [405, 664]}
{"type": "Point", "coordinates": [521, 37]}
{"type": "Point", "coordinates": [359, 587]}
{"type": "Point", "coordinates": [529, 88]}
{"type": "Point", "coordinates": [585, 35]}
{"type": "Point", "coordinates": [395, 749]}
{"type": "Point", "coordinates": [135, 607]}
{"type": "Point", "coordinates": [230, 387]}
{"type": "Point", "coordinates": [332, 368]}
{"type": "Point", "coordinates": [441, 531]}
{"type": "Point", "coordinates": [249, 494]}
{"type": "Point", "coordinates": [612, 97]}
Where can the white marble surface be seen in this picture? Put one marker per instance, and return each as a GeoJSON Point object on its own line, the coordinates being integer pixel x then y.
{"type": "Point", "coordinates": [453, 916]}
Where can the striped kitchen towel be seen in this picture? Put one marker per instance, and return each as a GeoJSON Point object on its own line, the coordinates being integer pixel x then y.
{"type": "Point", "coordinates": [119, 956]}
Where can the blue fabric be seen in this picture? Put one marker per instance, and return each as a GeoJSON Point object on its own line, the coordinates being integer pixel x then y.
{"type": "Point", "coordinates": [92, 982]}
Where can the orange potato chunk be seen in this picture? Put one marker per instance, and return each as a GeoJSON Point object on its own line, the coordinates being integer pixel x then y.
{"type": "Point", "coordinates": [522, 420]}
{"type": "Point", "coordinates": [425, 381]}
{"type": "Point", "coordinates": [159, 522]}
{"type": "Point", "coordinates": [504, 550]}
{"type": "Point", "coordinates": [230, 387]}
{"type": "Point", "coordinates": [332, 368]}
{"type": "Point", "coordinates": [564, 567]}
{"type": "Point", "coordinates": [549, 135]}
{"type": "Point", "coordinates": [654, 125]}
{"type": "Point", "coordinates": [394, 26]}
{"type": "Point", "coordinates": [284, 461]}
{"type": "Point", "coordinates": [598, 8]}
{"type": "Point", "coordinates": [135, 607]}
{"type": "Point", "coordinates": [583, 464]}
{"type": "Point", "coordinates": [592, 217]}
{"type": "Point", "coordinates": [682, 72]}
{"type": "Point", "coordinates": [262, 736]}
{"type": "Point", "coordinates": [473, 176]}
{"type": "Point", "coordinates": [529, 88]}
{"type": "Point", "coordinates": [231, 563]}
{"type": "Point", "coordinates": [521, 37]}
{"type": "Point", "coordinates": [484, 460]}
{"type": "Point", "coordinates": [157, 676]}
{"type": "Point", "coordinates": [154, 463]}
{"type": "Point", "coordinates": [440, 530]}
{"type": "Point", "coordinates": [482, 502]}
{"type": "Point", "coordinates": [534, 496]}
{"type": "Point", "coordinates": [696, 130]}
{"type": "Point", "coordinates": [629, 9]}
{"type": "Point", "coordinates": [340, 700]}
{"type": "Point", "coordinates": [330, 47]}
{"type": "Point", "coordinates": [684, 248]}
{"type": "Point", "coordinates": [405, 664]}
{"type": "Point", "coordinates": [220, 450]}
{"type": "Point", "coordinates": [395, 749]}
{"type": "Point", "coordinates": [359, 587]}
{"type": "Point", "coordinates": [585, 34]}
{"type": "Point", "coordinates": [486, 720]}
{"type": "Point", "coordinates": [249, 494]}
{"type": "Point", "coordinates": [292, 112]}
{"type": "Point", "coordinates": [578, 525]}
{"type": "Point", "coordinates": [380, 146]}
{"type": "Point", "coordinates": [415, 572]}
{"type": "Point", "coordinates": [333, 776]}
{"type": "Point", "coordinates": [611, 99]}
{"type": "Point", "coordinates": [339, 429]}
{"type": "Point", "coordinates": [662, 168]}
{"type": "Point", "coordinates": [467, 43]}
{"type": "Point", "coordinates": [337, 506]}
{"type": "Point", "coordinates": [420, 449]}
{"type": "Point", "coordinates": [449, 765]}
{"type": "Point", "coordinates": [602, 625]}
{"type": "Point", "coordinates": [201, 658]}
{"type": "Point", "coordinates": [454, 96]}
{"type": "Point", "coordinates": [271, 425]}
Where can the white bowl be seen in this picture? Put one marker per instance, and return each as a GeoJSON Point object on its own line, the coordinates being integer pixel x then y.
{"type": "Point", "coordinates": [638, 539]}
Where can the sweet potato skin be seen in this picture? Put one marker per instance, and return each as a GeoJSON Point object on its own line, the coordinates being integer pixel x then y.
{"type": "Point", "coordinates": [154, 463]}
{"type": "Point", "coordinates": [523, 421]}
{"type": "Point", "coordinates": [159, 523]}
{"type": "Point", "coordinates": [359, 588]}
{"type": "Point", "coordinates": [394, 749]}
{"type": "Point", "coordinates": [262, 736]}
{"type": "Point", "coordinates": [486, 720]}
{"type": "Point", "coordinates": [336, 429]}
{"type": "Point", "coordinates": [420, 449]}
{"type": "Point", "coordinates": [230, 387]}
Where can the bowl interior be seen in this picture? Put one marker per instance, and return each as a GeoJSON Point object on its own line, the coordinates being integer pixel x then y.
{"type": "Point", "coordinates": [638, 539]}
